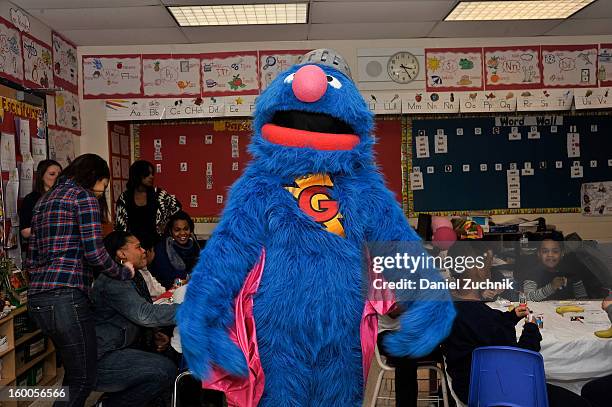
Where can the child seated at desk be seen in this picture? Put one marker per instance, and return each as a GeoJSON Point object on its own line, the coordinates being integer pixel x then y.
{"type": "Point", "coordinates": [177, 253]}
{"type": "Point", "coordinates": [479, 325]}
{"type": "Point", "coordinates": [544, 282]}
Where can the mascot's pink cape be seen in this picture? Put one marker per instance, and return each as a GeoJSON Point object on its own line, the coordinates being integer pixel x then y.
{"type": "Point", "coordinates": [247, 391]}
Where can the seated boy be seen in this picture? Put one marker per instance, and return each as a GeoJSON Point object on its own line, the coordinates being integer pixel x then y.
{"type": "Point", "coordinates": [544, 282]}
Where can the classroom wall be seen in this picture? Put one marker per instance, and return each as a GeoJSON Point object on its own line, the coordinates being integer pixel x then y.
{"type": "Point", "coordinates": [41, 31]}
{"type": "Point", "coordinates": [93, 118]}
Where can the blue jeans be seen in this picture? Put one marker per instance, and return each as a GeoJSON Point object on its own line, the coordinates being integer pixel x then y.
{"type": "Point", "coordinates": [65, 316]}
{"type": "Point", "coordinates": [132, 377]}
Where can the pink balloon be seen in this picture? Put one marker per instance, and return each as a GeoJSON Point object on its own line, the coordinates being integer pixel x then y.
{"type": "Point", "coordinates": [444, 237]}
{"type": "Point", "coordinates": [440, 221]}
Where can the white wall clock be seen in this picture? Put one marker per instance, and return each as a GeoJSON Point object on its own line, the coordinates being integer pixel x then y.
{"type": "Point", "coordinates": [403, 67]}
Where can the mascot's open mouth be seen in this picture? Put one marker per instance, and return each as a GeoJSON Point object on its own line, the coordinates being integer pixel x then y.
{"type": "Point", "coordinates": [319, 131]}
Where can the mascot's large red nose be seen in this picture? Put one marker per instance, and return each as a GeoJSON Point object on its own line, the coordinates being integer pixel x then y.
{"type": "Point", "coordinates": [309, 83]}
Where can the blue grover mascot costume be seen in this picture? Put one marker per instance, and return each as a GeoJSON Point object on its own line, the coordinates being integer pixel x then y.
{"type": "Point", "coordinates": [309, 200]}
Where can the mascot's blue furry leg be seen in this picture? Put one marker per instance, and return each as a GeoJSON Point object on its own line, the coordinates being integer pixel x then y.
{"type": "Point", "coordinates": [337, 378]}
{"type": "Point", "coordinates": [287, 382]}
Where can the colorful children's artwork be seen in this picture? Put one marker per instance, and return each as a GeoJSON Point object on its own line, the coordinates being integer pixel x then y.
{"type": "Point", "coordinates": [513, 67]}
{"type": "Point", "coordinates": [453, 69]}
{"type": "Point", "coordinates": [11, 61]}
{"type": "Point", "coordinates": [39, 150]}
{"type": "Point", "coordinates": [61, 146]}
{"type": "Point", "coordinates": [22, 127]}
{"type": "Point", "coordinates": [37, 63]}
{"type": "Point", "coordinates": [273, 62]}
{"type": "Point", "coordinates": [125, 145]}
{"type": "Point", "coordinates": [67, 111]}
{"type": "Point", "coordinates": [116, 188]}
{"type": "Point", "coordinates": [569, 66]}
{"type": "Point", "coordinates": [26, 175]}
{"type": "Point", "coordinates": [7, 152]}
{"type": "Point", "coordinates": [604, 70]}
{"type": "Point", "coordinates": [229, 73]}
{"type": "Point", "coordinates": [125, 168]}
{"type": "Point", "coordinates": [116, 167]}
{"type": "Point", "coordinates": [64, 63]}
{"type": "Point", "coordinates": [112, 76]}
{"type": "Point", "coordinates": [171, 75]}
{"type": "Point", "coordinates": [596, 198]}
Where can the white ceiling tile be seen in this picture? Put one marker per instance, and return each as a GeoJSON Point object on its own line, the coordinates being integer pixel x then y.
{"type": "Point", "coordinates": [105, 18]}
{"type": "Point", "coordinates": [583, 27]}
{"type": "Point", "coordinates": [379, 12]}
{"type": "Point", "coordinates": [221, 2]}
{"type": "Point", "coordinates": [127, 22]}
{"type": "Point", "coordinates": [349, 3]}
{"type": "Point", "coordinates": [352, 31]}
{"type": "Point", "coordinates": [485, 29]}
{"type": "Point", "coordinates": [46, 4]}
{"type": "Point", "coordinates": [126, 37]}
{"type": "Point", "coordinates": [292, 32]}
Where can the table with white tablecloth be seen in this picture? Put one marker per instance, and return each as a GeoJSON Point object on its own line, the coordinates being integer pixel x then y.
{"type": "Point", "coordinates": [573, 355]}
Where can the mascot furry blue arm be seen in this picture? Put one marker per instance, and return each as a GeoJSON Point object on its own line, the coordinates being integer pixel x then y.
{"type": "Point", "coordinates": [304, 207]}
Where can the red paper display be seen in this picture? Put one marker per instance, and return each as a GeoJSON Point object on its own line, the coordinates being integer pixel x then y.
{"type": "Point", "coordinates": [196, 154]}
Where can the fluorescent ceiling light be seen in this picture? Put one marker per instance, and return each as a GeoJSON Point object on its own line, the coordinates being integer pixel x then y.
{"type": "Point", "coordinates": [515, 10]}
{"type": "Point", "coordinates": [240, 14]}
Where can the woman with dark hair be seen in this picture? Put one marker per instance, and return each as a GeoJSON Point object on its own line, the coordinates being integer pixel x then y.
{"type": "Point", "coordinates": [65, 245]}
{"type": "Point", "coordinates": [142, 208]}
{"type": "Point", "coordinates": [47, 172]}
{"type": "Point", "coordinates": [131, 371]}
{"type": "Point", "coordinates": [177, 252]}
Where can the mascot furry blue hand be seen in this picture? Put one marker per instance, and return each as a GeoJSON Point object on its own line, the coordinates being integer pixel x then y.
{"type": "Point", "coordinates": [303, 210]}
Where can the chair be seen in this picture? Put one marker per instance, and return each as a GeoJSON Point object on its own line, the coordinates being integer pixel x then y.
{"type": "Point", "coordinates": [449, 380]}
{"type": "Point", "coordinates": [507, 376]}
{"type": "Point", "coordinates": [383, 368]}
{"type": "Point", "coordinates": [420, 365]}
{"type": "Point", "coordinates": [188, 392]}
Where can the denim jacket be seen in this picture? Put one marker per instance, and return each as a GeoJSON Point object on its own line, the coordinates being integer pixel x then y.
{"type": "Point", "coordinates": [121, 313]}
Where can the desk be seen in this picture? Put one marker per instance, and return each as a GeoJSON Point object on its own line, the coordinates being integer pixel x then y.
{"type": "Point", "coordinates": [573, 355]}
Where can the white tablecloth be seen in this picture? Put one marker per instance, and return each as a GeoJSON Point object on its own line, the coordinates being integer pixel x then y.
{"type": "Point", "coordinates": [573, 355]}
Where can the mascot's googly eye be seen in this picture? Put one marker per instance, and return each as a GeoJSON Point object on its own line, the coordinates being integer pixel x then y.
{"type": "Point", "coordinates": [332, 81]}
{"type": "Point", "coordinates": [289, 78]}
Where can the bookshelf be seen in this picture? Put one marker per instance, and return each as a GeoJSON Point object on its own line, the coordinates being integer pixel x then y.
{"type": "Point", "coordinates": [29, 358]}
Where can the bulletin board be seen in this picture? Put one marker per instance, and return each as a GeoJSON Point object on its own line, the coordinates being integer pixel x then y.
{"type": "Point", "coordinates": [199, 160]}
{"type": "Point", "coordinates": [20, 128]}
{"type": "Point", "coordinates": [544, 155]}
{"type": "Point", "coordinates": [183, 152]}
{"type": "Point", "coordinates": [119, 145]}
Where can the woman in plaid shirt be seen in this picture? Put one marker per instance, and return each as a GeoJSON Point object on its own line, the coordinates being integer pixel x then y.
{"type": "Point", "coordinates": [65, 248]}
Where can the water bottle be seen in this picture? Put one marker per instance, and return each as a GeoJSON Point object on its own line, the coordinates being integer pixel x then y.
{"type": "Point", "coordinates": [540, 321]}
{"type": "Point", "coordinates": [524, 242]}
